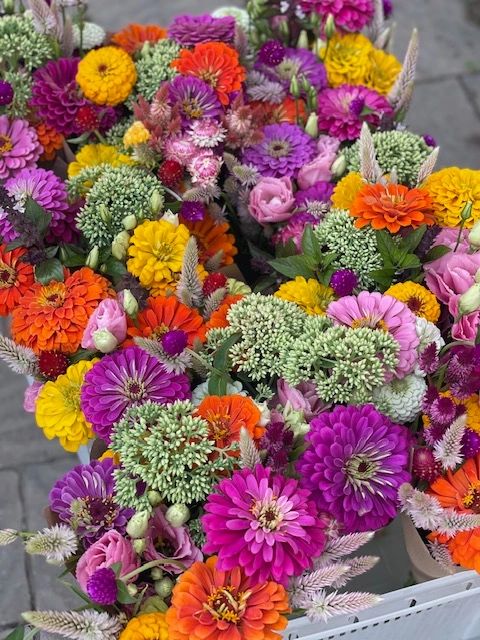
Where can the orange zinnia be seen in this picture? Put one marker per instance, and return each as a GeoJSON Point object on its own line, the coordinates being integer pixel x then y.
{"type": "Point", "coordinates": [213, 237]}
{"type": "Point", "coordinates": [286, 111]}
{"type": "Point", "coordinates": [391, 206]}
{"type": "Point", "coordinates": [164, 314]}
{"type": "Point", "coordinates": [215, 63]}
{"type": "Point", "coordinates": [16, 277]}
{"type": "Point", "coordinates": [226, 416]}
{"type": "Point", "coordinates": [53, 317]}
{"type": "Point", "coordinates": [50, 139]}
{"type": "Point", "coordinates": [218, 319]}
{"type": "Point", "coordinates": [132, 37]}
{"type": "Point", "coordinates": [225, 605]}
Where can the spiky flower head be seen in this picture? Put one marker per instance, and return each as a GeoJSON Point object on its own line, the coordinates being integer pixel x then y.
{"type": "Point", "coordinates": [77, 625]}
{"type": "Point", "coordinates": [19, 40]}
{"type": "Point", "coordinates": [7, 536]}
{"type": "Point", "coordinates": [56, 544]}
{"type": "Point", "coordinates": [401, 400]}
{"type": "Point", "coordinates": [168, 449]}
{"type": "Point", "coordinates": [153, 66]}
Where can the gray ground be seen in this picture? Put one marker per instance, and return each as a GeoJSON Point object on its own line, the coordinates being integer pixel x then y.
{"type": "Point", "coordinates": [446, 105]}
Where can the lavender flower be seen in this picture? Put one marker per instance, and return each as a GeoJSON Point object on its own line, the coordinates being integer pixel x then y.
{"type": "Point", "coordinates": [195, 99]}
{"type": "Point", "coordinates": [190, 30]}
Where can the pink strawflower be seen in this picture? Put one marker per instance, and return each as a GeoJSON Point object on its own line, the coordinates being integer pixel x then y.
{"type": "Point", "coordinates": [181, 149]}
{"type": "Point", "coordinates": [19, 147]}
{"type": "Point", "coordinates": [264, 523]}
{"type": "Point", "coordinates": [351, 15]}
{"type": "Point", "coordinates": [206, 133]}
{"type": "Point", "coordinates": [109, 315]}
{"type": "Point", "coordinates": [204, 167]}
{"type": "Point", "coordinates": [385, 313]}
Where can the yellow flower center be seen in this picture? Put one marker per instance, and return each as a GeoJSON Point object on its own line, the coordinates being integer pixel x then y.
{"type": "Point", "coordinates": [369, 321]}
{"type": "Point", "coordinates": [219, 425]}
{"type": "Point", "coordinates": [225, 604]}
{"type": "Point", "coordinates": [71, 395]}
{"type": "Point", "coordinates": [162, 251]}
{"type": "Point", "coordinates": [192, 108]}
{"type": "Point", "coordinates": [158, 332]}
{"type": "Point", "coordinates": [52, 295]}
{"type": "Point", "coordinates": [8, 276]}
{"type": "Point", "coordinates": [209, 76]}
{"type": "Point", "coordinates": [5, 144]}
{"type": "Point", "coordinates": [472, 499]}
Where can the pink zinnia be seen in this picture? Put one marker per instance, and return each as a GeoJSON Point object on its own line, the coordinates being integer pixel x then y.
{"type": "Point", "coordinates": [351, 15]}
{"type": "Point", "coordinates": [19, 147]}
{"type": "Point", "coordinates": [340, 110]}
{"type": "Point", "coordinates": [382, 312]}
{"type": "Point", "coordinates": [264, 523]}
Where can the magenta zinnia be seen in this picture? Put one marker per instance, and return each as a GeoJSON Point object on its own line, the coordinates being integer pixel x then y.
{"type": "Point", "coordinates": [264, 523]}
{"type": "Point", "coordinates": [123, 379]}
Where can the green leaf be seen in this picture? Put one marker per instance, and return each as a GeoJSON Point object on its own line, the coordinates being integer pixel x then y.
{"type": "Point", "coordinates": [409, 261]}
{"type": "Point", "coordinates": [37, 215]}
{"type": "Point", "coordinates": [17, 634]}
{"type": "Point", "coordinates": [386, 247]}
{"type": "Point", "coordinates": [286, 250]}
{"type": "Point", "coordinates": [310, 244]}
{"type": "Point", "coordinates": [436, 252]}
{"type": "Point", "coordinates": [72, 256]}
{"type": "Point", "coordinates": [122, 594]}
{"type": "Point", "coordinates": [264, 283]}
{"type": "Point", "coordinates": [383, 276]}
{"type": "Point", "coordinates": [114, 268]}
{"type": "Point", "coordinates": [217, 384]}
{"type": "Point", "coordinates": [116, 567]}
{"type": "Point", "coordinates": [82, 354]}
{"type": "Point", "coordinates": [51, 252]}
{"type": "Point", "coordinates": [51, 269]}
{"type": "Point", "coordinates": [15, 244]}
{"type": "Point", "coordinates": [413, 239]}
{"type": "Point", "coordinates": [295, 266]}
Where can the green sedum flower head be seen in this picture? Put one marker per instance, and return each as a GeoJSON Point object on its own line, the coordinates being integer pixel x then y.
{"type": "Point", "coordinates": [167, 448]}
{"type": "Point", "coordinates": [21, 82]}
{"type": "Point", "coordinates": [118, 192]}
{"type": "Point", "coordinates": [153, 66]}
{"type": "Point", "coordinates": [21, 45]}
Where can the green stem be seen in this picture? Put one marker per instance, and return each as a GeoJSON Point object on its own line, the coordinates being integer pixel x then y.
{"type": "Point", "coordinates": [459, 235]}
{"type": "Point", "coordinates": [31, 634]}
{"type": "Point", "coordinates": [100, 137]}
{"type": "Point", "coordinates": [151, 565]}
{"type": "Point", "coordinates": [172, 193]}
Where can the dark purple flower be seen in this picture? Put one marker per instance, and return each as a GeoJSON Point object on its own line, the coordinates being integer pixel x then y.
{"type": "Point", "coordinates": [84, 498]}
{"type": "Point", "coordinates": [277, 443]}
{"type": "Point", "coordinates": [429, 140]}
{"type": "Point", "coordinates": [319, 192]}
{"type": "Point", "coordinates": [356, 106]}
{"type": "Point", "coordinates": [387, 8]}
{"type": "Point", "coordinates": [285, 148]}
{"type": "Point", "coordinates": [442, 411]}
{"type": "Point", "coordinates": [424, 465]}
{"type": "Point", "coordinates": [271, 53]}
{"type": "Point", "coordinates": [102, 586]}
{"type": "Point", "coordinates": [428, 360]}
{"type": "Point", "coordinates": [6, 93]}
{"type": "Point", "coordinates": [174, 342]}
{"type": "Point", "coordinates": [195, 98]}
{"type": "Point", "coordinates": [470, 443]}
{"type": "Point", "coordinates": [354, 466]}
{"type": "Point", "coordinates": [192, 211]}
{"type": "Point", "coordinates": [125, 378]}
{"type": "Point", "coordinates": [343, 282]}
{"type": "Point", "coordinates": [463, 371]}
{"type": "Point", "coordinates": [190, 30]}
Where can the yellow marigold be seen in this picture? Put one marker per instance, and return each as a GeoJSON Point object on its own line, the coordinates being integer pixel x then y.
{"type": "Point", "coordinates": [93, 154]}
{"type": "Point", "coordinates": [147, 626]}
{"type": "Point", "coordinates": [450, 189]}
{"type": "Point", "coordinates": [347, 190]}
{"type": "Point", "coordinates": [312, 296]}
{"type": "Point", "coordinates": [418, 299]}
{"type": "Point", "coordinates": [137, 133]}
{"type": "Point", "coordinates": [347, 59]}
{"type": "Point", "coordinates": [107, 75]}
{"type": "Point", "coordinates": [383, 71]}
{"type": "Point", "coordinates": [58, 410]}
{"type": "Point", "coordinates": [156, 253]}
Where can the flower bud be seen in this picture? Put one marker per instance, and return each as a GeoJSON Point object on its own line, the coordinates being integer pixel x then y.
{"type": "Point", "coordinates": [104, 213]}
{"type": "Point", "coordinates": [120, 245]}
{"type": "Point", "coordinates": [129, 303]}
{"type": "Point", "coordinates": [129, 222]}
{"type": "Point", "coordinates": [154, 604]}
{"type": "Point", "coordinates": [154, 498]}
{"type": "Point", "coordinates": [9, 6]}
{"type": "Point", "coordinates": [156, 202]}
{"type": "Point", "coordinates": [92, 258]}
{"type": "Point", "coordinates": [284, 29]}
{"type": "Point", "coordinates": [470, 300]}
{"type": "Point", "coordinates": [329, 26]}
{"type": "Point", "coordinates": [171, 217]}
{"type": "Point", "coordinates": [177, 515]}
{"type": "Point", "coordinates": [164, 587]}
{"type": "Point", "coordinates": [312, 125]}
{"type": "Point", "coordinates": [319, 46]}
{"type": "Point", "coordinates": [104, 340]}
{"type": "Point", "coordinates": [140, 544]}
{"type": "Point", "coordinates": [302, 42]}
{"type": "Point", "coordinates": [132, 589]}
{"type": "Point", "coordinates": [338, 167]}
{"type": "Point", "coordinates": [237, 287]}
{"type": "Point", "coordinates": [138, 524]}
{"type": "Point", "coordinates": [474, 236]}
{"type": "Point", "coordinates": [157, 573]}
{"type": "Point", "coordinates": [466, 211]}
{"type": "Point", "coordinates": [294, 87]}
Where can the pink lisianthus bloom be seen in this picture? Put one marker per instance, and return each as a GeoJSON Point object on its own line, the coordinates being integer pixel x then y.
{"type": "Point", "coordinates": [111, 548]}
{"type": "Point", "coordinates": [205, 167]}
{"type": "Point", "coordinates": [167, 542]}
{"type": "Point", "coordinates": [467, 326]}
{"type": "Point", "coordinates": [302, 397]}
{"type": "Point", "coordinates": [448, 237]}
{"type": "Point", "coordinates": [31, 395]}
{"type": "Point", "coordinates": [450, 276]}
{"type": "Point", "coordinates": [272, 200]}
{"type": "Point", "coordinates": [318, 170]}
{"type": "Point", "coordinates": [108, 315]}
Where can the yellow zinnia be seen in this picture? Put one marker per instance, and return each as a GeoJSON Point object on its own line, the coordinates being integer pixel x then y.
{"type": "Point", "coordinates": [312, 296]}
{"type": "Point", "coordinates": [383, 71]}
{"type": "Point", "coordinates": [137, 133]}
{"type": "Point", "coordinates": [450, 189]}
{"type": "Point", "coordinates": [156, 253]}
{"type": "Point", "coordinates": [347, 59]}
{"type": "Point", "coordinates": [347, 190]}
{"type": "Point", "coordinates": [107, 75]}
{"type": "Point", "coordinates": [94, 154]}
{"type": "Point", "coordinates": [147, 626]}
{"type": "Point", "coordinates": [58, 410]}
{"type": "Point", "coordinates": [418, 299]}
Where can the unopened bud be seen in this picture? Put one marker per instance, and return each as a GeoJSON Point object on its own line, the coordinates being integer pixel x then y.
{"type": "Point", "coordinates": [319, 46]}
{"type": "Point", "coordinates": [9, 6]}
{"type": "Point", "coordinates": [120, 245]}
{"type": "Point", "coordinates": [294, 87]}
{"type": "Point", "coordinates": [329, 26]}
{"type": "Point", "coordinates": [153, 605]}
{"type": "Point", "coordinates": [284, 29]}
{"type": "Point", "coordinates": [132, 589]}
{"type": "Point", "coordinates": [466, 211]}
{"type": "Point", "coordinates": [129, 222]}
{"type": "Point", "coordinates": [138, 524]}
{"type": "Point", "coordinates": [104, 213]}
{"type": "Point", "coordinates": [156, 202]}
{"type": "Point", "coordinates": [157, 573]}
{"type": "Point", "coordinates": [477, 277]}
{"type": "Point", "coordinates": [171, 217]}
{"type": "Point", "coordinates": [470, 300]}
{"type": "Point", "coordinates": [474, 236]}
{"type": "Point", "coordinates": [92, 258]}
{"type": "Point", "coordinates": [312, 125]}
{"type": "Point", "coordinates": [130, 304]}
{"type": "Point", "coordinates": [104, 340]}
{"type": "Point", "coordinates": [338, 167]}
{"type": "Point", "coordinates": [140, 544]}
{"type": "Point", "coordinates": [164, 587]}
{"type": "Point", "coordinates": [177, 515]}
{"type": "Point", "coordinates": [302, 42]}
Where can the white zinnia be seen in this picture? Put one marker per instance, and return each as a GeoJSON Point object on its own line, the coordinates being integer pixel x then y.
{"type": "Point", "coordinates": [401, 400]}
{"type": "Point", "coordinates": [93, 36]}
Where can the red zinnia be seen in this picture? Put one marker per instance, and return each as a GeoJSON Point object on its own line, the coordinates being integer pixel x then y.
{"type": "Point", "coordinates": [16, 277]}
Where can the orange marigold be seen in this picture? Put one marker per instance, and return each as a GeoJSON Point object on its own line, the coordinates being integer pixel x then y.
{"type": "Point", "coordinates": [53, 317]}
{"type": "Point", "coordinates": [215, 63]}
{"type": "Point", "coordinates": [218, 319]}
{"type": "Point", "coordinates": [226, 416]}
{"type": "Point", "coordinates": [164, 314]}
{"type": "Point", "coordinates": [132, 37]}
{"type": "Point", "coordinates": [213, 237]}
{"type": "Point", "coordinates": [50, 139]}
{"type": "Point", "coordinates": [391, 206]}
{"type": "Point", "coordinates": [225, 605]}
{"type": "Point", "coordinates": [16, 277]}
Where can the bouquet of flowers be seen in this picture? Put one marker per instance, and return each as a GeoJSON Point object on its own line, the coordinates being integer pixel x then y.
{"type": "Point", "coordinates": [227, 261]}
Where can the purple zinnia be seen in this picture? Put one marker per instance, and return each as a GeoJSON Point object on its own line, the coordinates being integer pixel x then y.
{"type": "Point", "coordinates": [192, 211]}
{"type": "Point", "coordinates": [264, 523]}
{"type": "Point", "coordinates": [339, 112]}
{"type": "Point", "coordinates": [271, 53]}
{"type": "Point", "coordinates": [84, 498]}
{"type": "Point", "coordinates": [285, 148]}
{"type": "Point", "coordinates": [297, 63]}
{"type": "Point", "coordinates": [19, 147]}
{"type": "Point", "coordinates": [319, 192]}
{"type": "Point", "coordinates": [343, 282]}
{"type": "Point", "coordinates": [354, 466]}
{"type": "Point", "coordinates": [194, 98]}
{"type": "Point", "coordinates": [351, 15]}
{"type": "Point", "coordinates": [6, 93]}
{"type": "Point", "coordinates": [125, 378]}
{"type": "Point", "coordinates": [102, 586]}
{"type": "Point", "coordinates": [190, 30]}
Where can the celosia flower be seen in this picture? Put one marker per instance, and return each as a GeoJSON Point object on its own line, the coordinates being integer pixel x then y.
{"type": "Point", "coordinates": [194, 98]}
{"type": "Point", "coordinates": [218, 604]}
{"type": "Point", "coordinates": [106, 75]}
{"type": "Point", "coordinates": [352, 15]}
{"type": "Point", "coordinates": [19, 147]}
{"type": "Point", "coordinates": [123, 379]}
{"type": "Point", "coordinates": [190, 30]}
{"type": "Point", "coordinates": [310, 295]}
{"type": "Point", "coordinates": [132, 37]}
{"type": "Point", "coordinates": [354, 466]}
{"type": "Point", "coordinates": [147, 626]}
{"type": "Point", "coordinates": [57, 410]}
{"type": "Point", "coordinates": [417, 298]}
{"type": "Point", "coordinates": [16, 277]}
{"type": "Point", "coordinates": [450, 190]}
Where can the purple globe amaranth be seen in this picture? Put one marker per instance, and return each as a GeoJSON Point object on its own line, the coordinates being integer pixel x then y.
{"type": "Point", "coordinates": [84, 498]}
{"type": "Point", "coordinates": [264, 523]}
{"type": "Point", "coordinates": [429, 140]}
{"type": "Point", "coordinates": [125, 378]}
{"type": "Point", "coordinates": [102, 586]}
{"type": "Point", "coordinates": [192, 211]}
{"type": "Point", "coordinates": [6, 93]}
{"type": "Point", "coordinates": [470, 443]}
{"type": "Point", "coordinates": [190, 30]}
{"type": "Point", "coordinates": [271, 53]}
{"type": "Point", "coordinates": [356, 460]}
{"type": "Point", "coordinates": [174, 342]}
{"type": "Point", "coordinates": [343, 282]}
